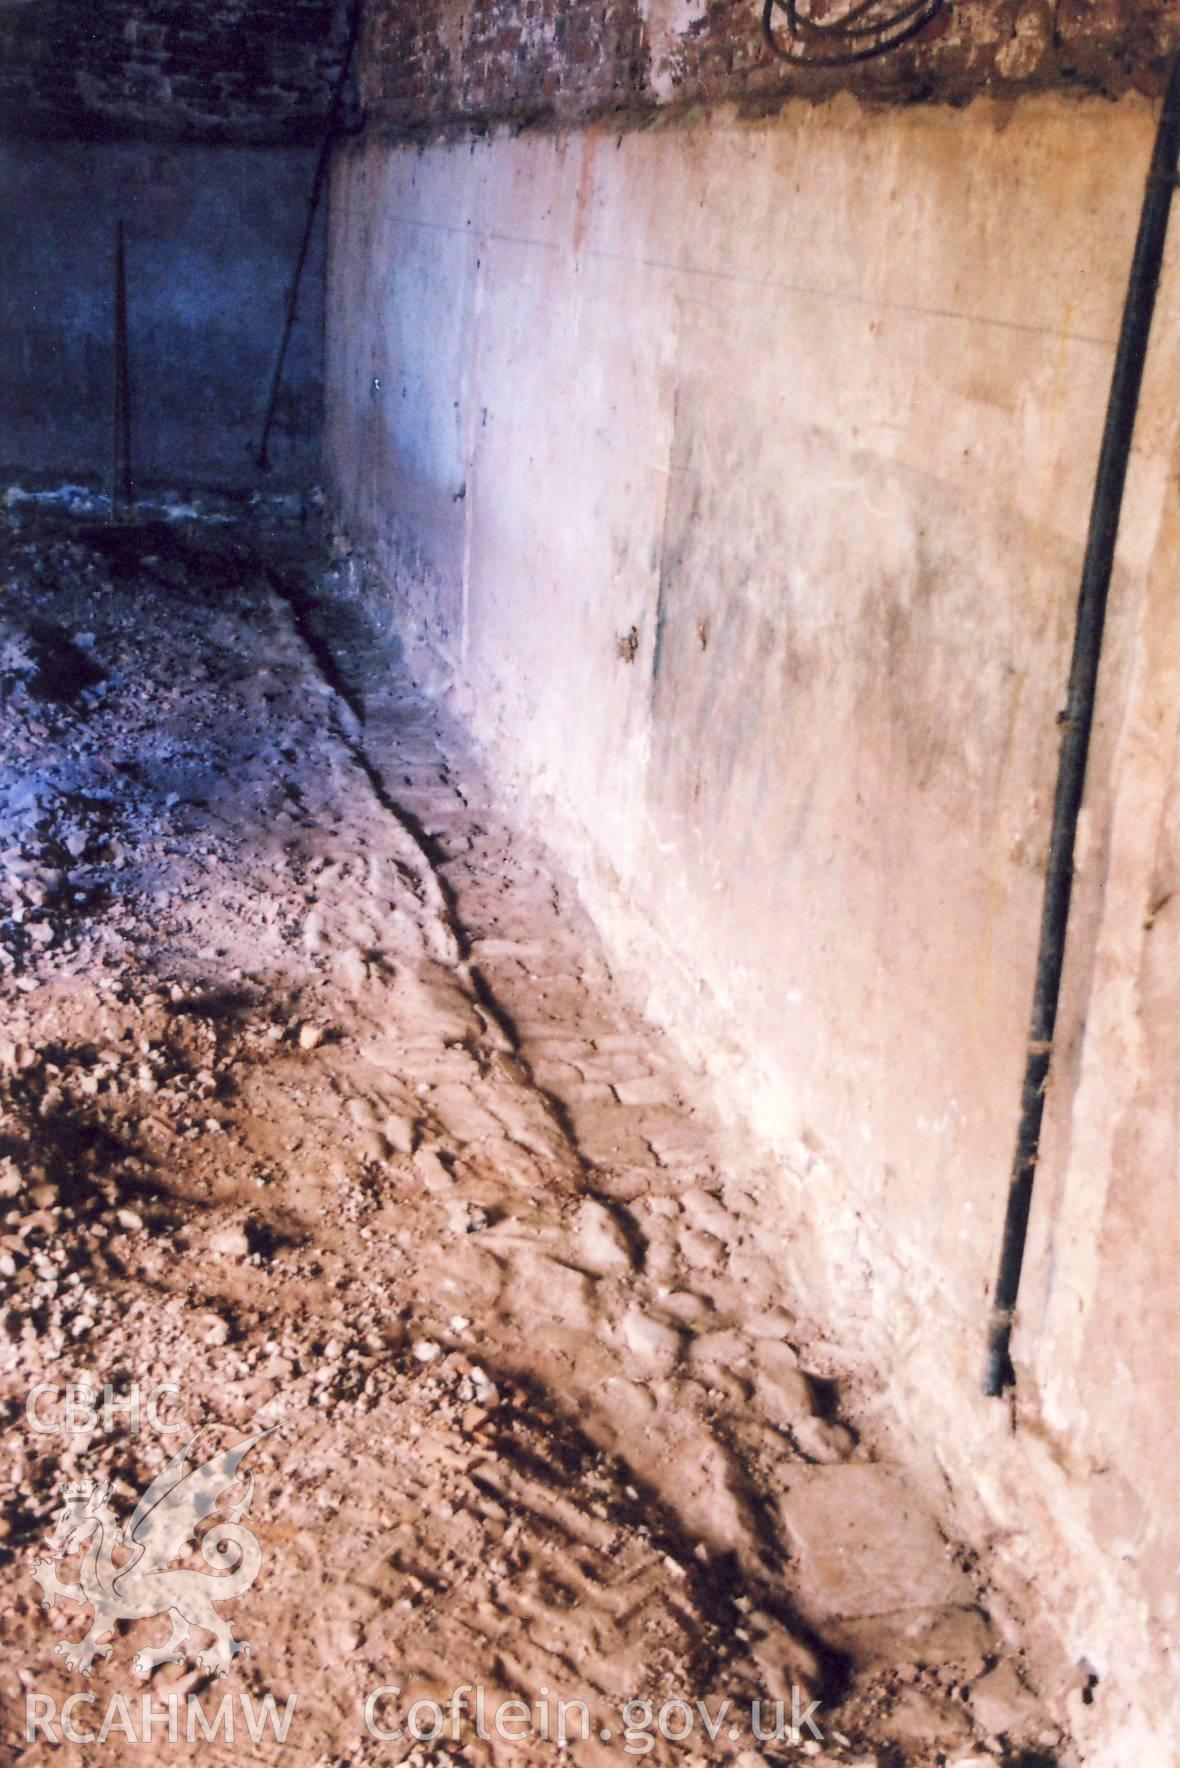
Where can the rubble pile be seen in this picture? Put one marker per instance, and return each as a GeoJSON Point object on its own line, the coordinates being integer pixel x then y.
{"type": "Point", "coordinates": [321, 1115]}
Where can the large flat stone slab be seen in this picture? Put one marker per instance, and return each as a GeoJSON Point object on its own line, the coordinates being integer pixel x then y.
{"type": "Point", "coordinates": [865, 1545]}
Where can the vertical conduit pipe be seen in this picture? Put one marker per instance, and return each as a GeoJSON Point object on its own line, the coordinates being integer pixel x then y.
{"type": "Point", "coordinates": [1078, 718]}
{"type": "Point", "coordinates": [323, 161]}
{"type": "Point", "coordinates": [121, 488]}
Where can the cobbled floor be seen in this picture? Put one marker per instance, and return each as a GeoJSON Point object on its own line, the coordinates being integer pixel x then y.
{"type": "Point", "coordinates": [324, 1128]}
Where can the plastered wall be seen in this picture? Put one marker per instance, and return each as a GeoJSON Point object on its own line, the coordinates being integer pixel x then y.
{"type": "Point", "coordinates": [733, 478]}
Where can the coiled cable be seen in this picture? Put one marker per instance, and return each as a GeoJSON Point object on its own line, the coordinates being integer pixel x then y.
{"type": "Point", "coordinates": [866, 29]}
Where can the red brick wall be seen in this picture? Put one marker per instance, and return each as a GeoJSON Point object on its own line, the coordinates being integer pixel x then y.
{"type": "Point", "coordinates": [260, 70]}
{"type": "Point", "coordinates": [439, 61]}
{"type": "Point", "coordinates": [430, 64]}
{"type": "Point", "coordinates": [226, 70]}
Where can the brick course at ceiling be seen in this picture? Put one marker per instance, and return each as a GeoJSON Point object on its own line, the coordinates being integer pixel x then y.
{"type": "Point", "coordinates": [260, 70]}
{"type": "Point", "coordinates": [435, 64]}
{"type": "Point", "coordinates": [229, 70]}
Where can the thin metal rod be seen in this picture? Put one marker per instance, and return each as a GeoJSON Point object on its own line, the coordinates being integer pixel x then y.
{"type": "Point", "coordinates": [1077, 720]}
{"type": "Point", "coordinates": [121, 487]}
{"type": "Point", "coordinates": [323, 161]}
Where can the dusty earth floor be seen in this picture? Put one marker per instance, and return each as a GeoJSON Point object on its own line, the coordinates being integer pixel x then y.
{"type": "Point", "coordinates": [319, 1102]}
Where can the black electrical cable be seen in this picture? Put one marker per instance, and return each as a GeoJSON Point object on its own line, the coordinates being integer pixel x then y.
{"type": "Point", "coordinates": [1077, 720]}
{"type": "Point", "coordinates": [867, 29]}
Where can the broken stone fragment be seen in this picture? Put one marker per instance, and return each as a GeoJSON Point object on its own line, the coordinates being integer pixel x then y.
{"type": "Point", "coordinates": [720, 1353]}
{"type": "Point", "coordinates": [784, 1390]}
{"type": "Point", "coordinates": [213, 1329]}
{"type": "Point", "coordinates": [822, 1440]}
{"type": "Point", "coordinates": [373, 1147]}
{"type": "Point", "coordinates": [430, 1169]}
{"type": "Point", "coordinates": [684, 1306]}
{"type": "Point", "coordinates": [627, 1405]}
{"type": "Point", "coordinates": [917, 1720]}
{"type": "Point", "coordinates": [700, 1251]}
{"type": "Point", "coordinates": [653, 1341]}
{"type": "Point", "coordinates": [545, 1288]}
{"type": "Point", "coordinates": [466, 1217]}
{"type": "Point", "coordinates": [352, 970]}
{"type": "Point", "coordinates": [399, 1133]}
{"type": "Point", "coordinates": [784, 1662]}
{"type": "Point", "coordinates": [1002, 1705]}
{"type": "Point", "coordinates": [713, 1495]}
{"type": "Point", "coordinates": [708, 1214]}
{"type": "Point", "coordinates": [602, 1246]}
{"type": "Point", "coordinates": [230, 1241]}
{"type": "Point", "coordinates": [310, 1037]}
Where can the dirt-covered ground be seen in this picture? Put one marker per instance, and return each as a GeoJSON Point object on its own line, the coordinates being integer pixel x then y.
{"type": "Point", "coordinates": [321, 1114]}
